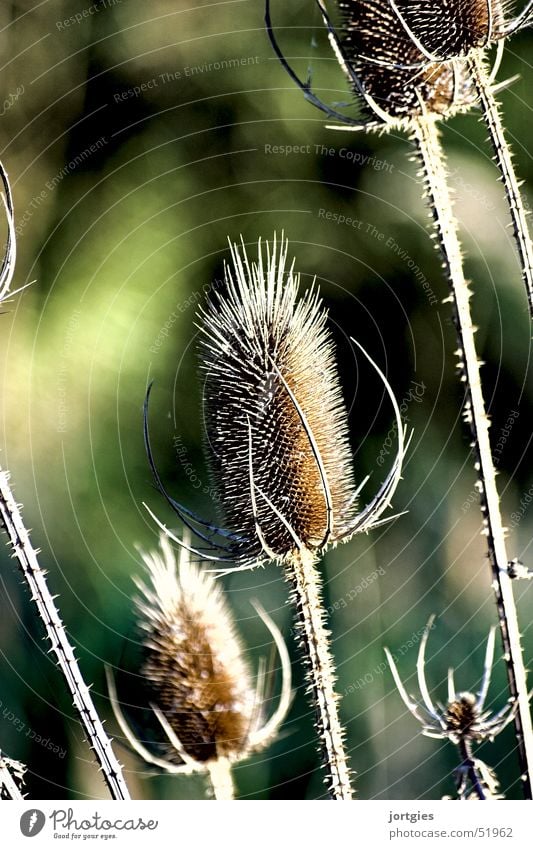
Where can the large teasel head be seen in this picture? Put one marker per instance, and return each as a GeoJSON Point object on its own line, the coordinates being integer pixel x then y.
{"type": "Point", "coordinates": [405, 58]}
{"type": "Point", "coordinates": [462, 719]}
{"type": "Point", "coordinates": [275, 420]}
{"type": "Point", "coordinates": [199, 681]}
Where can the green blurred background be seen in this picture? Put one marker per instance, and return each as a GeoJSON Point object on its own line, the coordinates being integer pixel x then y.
{"type": "Point", "coordinates": [124, 200]}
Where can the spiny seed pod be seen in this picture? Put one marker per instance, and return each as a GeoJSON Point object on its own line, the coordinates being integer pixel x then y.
{"type": "Point", "coordinates": [274, 408]}
{"type": "Point", "coordinates": [450, 28]}
{"type": "Point", "coordinates": [406, 58]}
{"type": "Point", "coordinates": [276, 423]}
{"type": "Point", "coordinates": [463, 721]}
{"type": "Point", "coordinates": [199, 681]}
{"type": "Point", "coordinates": [386, 59]}
{"type": "Point", "coordinates": [277, 440]}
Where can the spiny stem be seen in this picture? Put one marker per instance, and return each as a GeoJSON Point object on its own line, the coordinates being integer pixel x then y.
{"type": "Point", "coordinates": [304, 579]}
{"type": "Point", "coordinates": [26, 555]}
{"type": "Point", "coordinates": [9, 783]}
{"type": "Point", "coordinates": [469, 764]}
{"type": "Point", "coordinates": [504, 160]}
{"type": "Point", "coordinates": [221, 779]}
{"type": "Point", "coordinates": [426, 136]}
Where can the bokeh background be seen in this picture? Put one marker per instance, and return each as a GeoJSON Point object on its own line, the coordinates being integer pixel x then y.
{"type": "Point", "coordinates": [138, 138]}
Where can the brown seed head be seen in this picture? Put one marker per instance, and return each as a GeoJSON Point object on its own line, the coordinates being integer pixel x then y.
{"type": "Point", "coordinates": [194, 661]}
{"type": "Point", "coordinates": [275, 419]}
{"type": "Point", "coordinates": [392, 61]}
{"type": "Point", "coordinates": [462, 715]}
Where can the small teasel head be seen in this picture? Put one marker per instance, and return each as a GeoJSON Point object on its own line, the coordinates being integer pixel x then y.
{"type": "Point", "coordinates": [464, 715]}
{"type": "Point", "coordinates": [461, 715]}
{"type": "Point", "coordinates": [406, 58]}
{"type": "Point", "coordinates": [463, 719]}
{"type": "Point", "coordinates": [200, 684]}
{"type": "Point", "coordinates": [275, 420]}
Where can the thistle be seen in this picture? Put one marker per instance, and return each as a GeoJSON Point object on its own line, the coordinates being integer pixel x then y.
{"type": "Point", "coordinates": [200, 683]}
{"type": "Point", "coordinates": [463, 721]}
{"type": "Point", "coordinates": [277, 440]}
{"type": "Point", "coordinates": [411, 65]}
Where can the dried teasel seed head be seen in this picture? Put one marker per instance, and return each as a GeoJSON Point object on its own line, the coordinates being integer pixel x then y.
{"type": "Point", "coordinates": [461, 715]}
{"type": "Point", "coordinates": [194, 665]}
{"type": "Point", "coordinates": [453, 27]}
{"type": "Point", "coordinates": [276, 423]}
{"type": "Point", "coordinates": [408, 58]}
{"type": "Point", "coordinates": [388, 60]}
{"type": "Point", "coordinates": [200, 683]}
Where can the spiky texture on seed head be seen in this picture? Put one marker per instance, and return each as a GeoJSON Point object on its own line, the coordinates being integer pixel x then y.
{"type": "Point", "coordinates": [461, 715]}
{"type": "Point", "coordinates": [393, 69]}
{"type": "Point", "coordinates": [274, 411]}
{"type": "Point", "coordinates": [449, 28]}
{"type": "Point", "coordinates": [194, 661]}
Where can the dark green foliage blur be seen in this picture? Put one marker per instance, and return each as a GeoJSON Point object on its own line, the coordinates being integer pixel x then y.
{"type": "Point", "coordinates": [138, 138]}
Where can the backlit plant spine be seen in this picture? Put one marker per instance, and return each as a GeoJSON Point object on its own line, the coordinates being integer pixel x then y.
{"type": "Point", "coordinates": [410, 66]}
{"type": "Point", "coordinates": [277, 442]}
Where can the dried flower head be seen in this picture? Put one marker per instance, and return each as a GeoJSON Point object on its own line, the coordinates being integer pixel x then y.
{"type": "Point", "coordinates": [276, 423]}
{"type": "Point", "coordinates": [463, 716]}
{"type": "Point", "coordinates": [277, 440]}
{"type": "Point", "coordinates": [405, 58]}
{"type": "Point", "coordinates": [463, 720]}
{"type": "Point", "coordinates": [200, 683]}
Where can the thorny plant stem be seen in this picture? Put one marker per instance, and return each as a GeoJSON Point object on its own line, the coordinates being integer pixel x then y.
{"type": "Point", "coordinates": [320, 670]}
{"type": "Point", "coordinates": [426, 136]}
{"type": "Point", "coordinates": [465, 748]}
{"type": "Point", "coordinates": [504, 160]}
{"type": "Point", "coordinates": [26, 555]}
{"type": "Point", "coordinates": [221, 780]}
{"type": "Point", "coordinates": [8, 785]}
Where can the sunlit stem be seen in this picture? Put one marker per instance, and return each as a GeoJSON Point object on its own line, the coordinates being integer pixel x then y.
{"type": "Point", "coordinates": [221, 780]}
{"type": "Point", "coordinates": [304, 579]}
{"type": "Point", "coordinates": [11, 518]}
{"type": "Point", "coordinates": [9, 788]}
{"type": "Point", "coordinates": [503, 158]}
{"type": "Point", "coordinates": [469, 766]}
{"type": "Point", "coordinates": [426, 136]}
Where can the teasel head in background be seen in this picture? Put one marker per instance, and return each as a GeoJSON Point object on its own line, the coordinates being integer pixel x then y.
{"type": "Point", "coordinates": [277, 441]}
{"type": "Point", "coordinates": [411, 64]}
{"type": "Point", "coordinates": [463, 720]}
{"type": "Point", "coordinates": [405, 58]}
{"type": "Point", "coordinates": [200, 684]}
{"type": "Point", "coordinates": [425, 61]}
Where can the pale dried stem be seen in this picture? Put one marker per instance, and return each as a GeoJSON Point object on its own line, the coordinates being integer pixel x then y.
{"type": "Point", "coordinates": [304, 579]}
{"type": "Point", "coordinates": [26, 555]}
{"type": "Point", "coordinates": [221, 780]}
{"type": "Point", "coordinates": [426, 135]}
{"type": "Point", "coordinates": [8, 785]}
{"type": "Point", "coordinates": [504, 160]}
